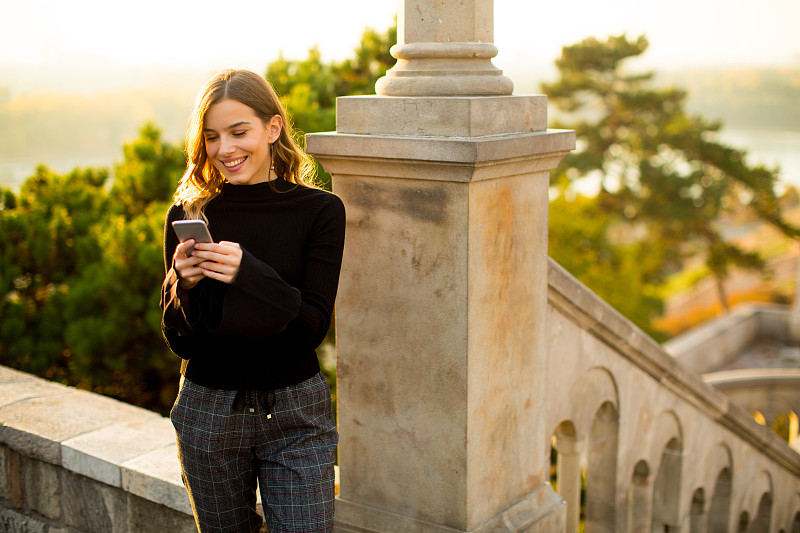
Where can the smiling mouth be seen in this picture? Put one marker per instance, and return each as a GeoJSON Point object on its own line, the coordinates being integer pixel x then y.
{"type": "Point", "coordinates": [234, 162]}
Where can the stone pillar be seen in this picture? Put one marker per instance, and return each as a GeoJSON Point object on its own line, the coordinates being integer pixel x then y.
{"type": "Point", "coordinates": [667, 489]}
{"type": "Point", "coordinates": [443, 295]}
{"type": "Point", "coordinates": [601, 471]}
{"type": "Point", "coordinates": [640, 500]}
{"type": "Point", "coordinates": [569, 477]}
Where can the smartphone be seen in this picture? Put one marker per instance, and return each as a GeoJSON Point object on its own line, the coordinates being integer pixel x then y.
{"type": "Point", "coordinates": [192, 229]}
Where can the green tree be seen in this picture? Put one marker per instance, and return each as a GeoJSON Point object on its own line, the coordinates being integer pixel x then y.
{"type": "Point", "coordinates": [46, 242]}
{"type": "Point", "coordinates": [309, 88]}
{"type": "Point", "coordinates": [147, 173]}
{"type": "Point", "coordinates": [111, 316]}
{"type": "Point", "coordinates": [659, 168]}
{"type": "Point", "coordinates": [620, 274]}
{"type": "Point", "coordinates": [80, 272]}
{"type": "Point", "coordinates": [372, 59]}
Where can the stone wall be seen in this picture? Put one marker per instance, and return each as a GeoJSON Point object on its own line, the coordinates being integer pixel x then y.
{"type": "Point", "coordinates": [73, 461]}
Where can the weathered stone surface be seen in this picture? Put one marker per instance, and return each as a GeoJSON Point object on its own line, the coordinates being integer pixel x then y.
{"type": "Point", "coordinates": [15, 522]}
{"type": "Point", "coordinates": [16, 486]}
{"type": "Point", "coordinates": [144, 515]}
{"type": "Point", "coordinates": [441, 117]}
{"type": "Point", "coordinates": [712, 346]}
{"type": "Point", "coordinates": [42, 487]}
{"type": "Point", "coordinates": [5, 489]}
{"type": "Point", "coordinates": [444, 49]}
{"type": "Point", "coordinates": [156, 476]}
{"type": "Point", "coordinates": [93, 507]}
{"type": "Point", "coordinates": [466, 235]}
{"type": "Point", "coordinates": [100, 453]}
{"type": "Point", "coordinates": [37, 426]}
{"type": "Point", "coordinates": [16, 386]}
{"type": "Point", "coordinates": [8, 375]}
{"type": "Point", "coordinates": [440, 158]}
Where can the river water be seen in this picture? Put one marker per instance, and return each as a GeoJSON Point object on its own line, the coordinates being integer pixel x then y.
{"type": "Point", "coordinates": [772, 148]}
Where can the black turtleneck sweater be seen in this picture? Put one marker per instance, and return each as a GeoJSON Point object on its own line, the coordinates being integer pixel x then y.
{"type": "Point", "coordinates": [261, 331]}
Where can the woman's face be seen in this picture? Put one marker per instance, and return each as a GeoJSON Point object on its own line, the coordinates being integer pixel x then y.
{"type": "Point", "coordinates": [237, 141]}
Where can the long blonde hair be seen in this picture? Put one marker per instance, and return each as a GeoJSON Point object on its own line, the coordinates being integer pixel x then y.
{"type": "Point", "coordinates": [202, 182]}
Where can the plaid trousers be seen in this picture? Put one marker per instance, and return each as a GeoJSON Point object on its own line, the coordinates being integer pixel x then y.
{"type": "Point", "coordinates": [285, 438]}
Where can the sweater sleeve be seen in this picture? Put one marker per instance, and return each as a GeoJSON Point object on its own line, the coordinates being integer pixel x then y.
{"type": "Point", "coordinates": [181, 309]}
{"type": "Point", "coordinates": [323, 261]}
{"type": "Point", "coordinates": [258, 304]}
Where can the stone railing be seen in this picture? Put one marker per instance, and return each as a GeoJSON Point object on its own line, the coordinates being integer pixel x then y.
{"type": "Point", "coordinates": [772, 392]}
{"type": "Point", "coordinates": [73, 461]}
{"type": "Point", "coordinates": [713, 345]}
{"type": "Point", "coordinates": [752, 356]}
{"type": "Point", "coordinates": [661, 449]}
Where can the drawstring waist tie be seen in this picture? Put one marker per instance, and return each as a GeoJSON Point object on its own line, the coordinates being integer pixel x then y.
{"type": "Point", "coordinates": [248, 400]}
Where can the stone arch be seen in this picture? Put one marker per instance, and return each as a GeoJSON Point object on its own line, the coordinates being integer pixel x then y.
{"type": "Point", "coordinates": [787, 425]}
{"type": "Point", "coordinates": [601, 470]}
{"type": "Point", "coordinates": [667, 488]}
{"type": "Point", "coordinates": [697, 512]}
{"type": "Point", "coordinates": [665, 430]}
{"type": "Point", "coordinates": [775, 406]}
{"type": "Point", "coordinates": [588, 392]}
{"type": "Point", "coordinates": [762, 486]}
{"type": "Point", "coordinates": [718, 458]}
{"type": "Point", "coordinates": [586, 428]}
{"type": "Point", "coordinates": [639, 499]}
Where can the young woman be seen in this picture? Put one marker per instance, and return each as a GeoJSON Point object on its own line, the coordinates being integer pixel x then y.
{"type": "Point", "coordinates": [246, 312]}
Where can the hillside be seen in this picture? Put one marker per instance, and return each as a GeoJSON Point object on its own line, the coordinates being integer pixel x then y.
{"type": "Point", "coordinates": [743, 98]}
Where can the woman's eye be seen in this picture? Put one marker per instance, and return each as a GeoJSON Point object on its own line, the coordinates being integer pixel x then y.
{"type": "Point", "coordinates": [239, 133]}
{"type": "Point", "coordinates": [211, 139]}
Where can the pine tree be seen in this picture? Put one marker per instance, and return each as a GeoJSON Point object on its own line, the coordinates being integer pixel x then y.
{"type": "Point", "coordinates": [658, 168]}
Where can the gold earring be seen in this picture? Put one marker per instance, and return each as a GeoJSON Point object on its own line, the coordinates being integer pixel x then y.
{"type": "Point", "coordinates": [271, 161]}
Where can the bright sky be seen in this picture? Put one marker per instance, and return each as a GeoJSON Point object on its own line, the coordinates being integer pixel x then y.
{"type": "Point", "coordinates": [99, 34]}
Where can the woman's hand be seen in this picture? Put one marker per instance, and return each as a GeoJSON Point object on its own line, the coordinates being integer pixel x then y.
{"type": "Point", "coordinates": [220, 261]}
{"type": "Point", "coordinates": [189, 273]}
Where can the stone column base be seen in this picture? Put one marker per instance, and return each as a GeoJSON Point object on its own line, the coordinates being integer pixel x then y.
{"type": "Point", "coordinates": [542, 511]}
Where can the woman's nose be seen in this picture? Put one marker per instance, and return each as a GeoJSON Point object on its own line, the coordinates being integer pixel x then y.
{"type": "Point", "coordinates": [226, 145]}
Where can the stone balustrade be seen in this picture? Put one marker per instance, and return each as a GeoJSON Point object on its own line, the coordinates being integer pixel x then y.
{"type": "Point", "coordinates": [660, 449]}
